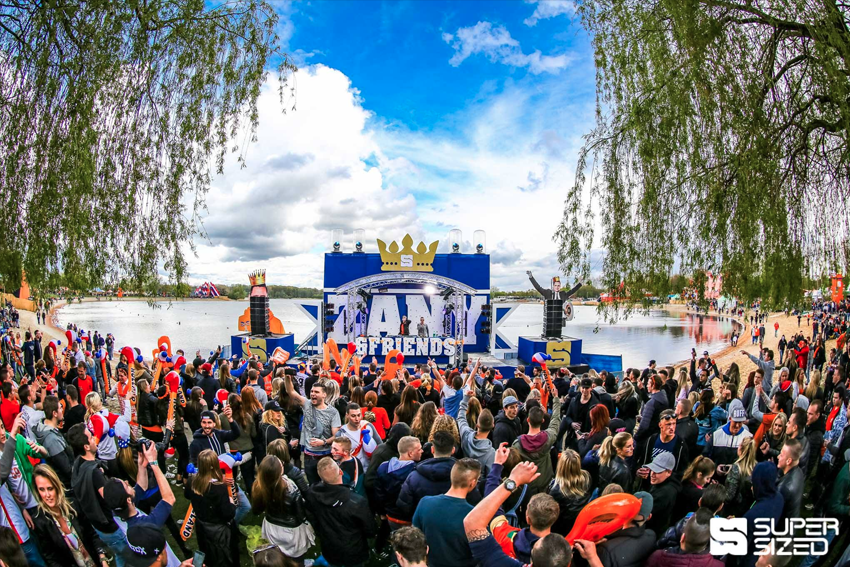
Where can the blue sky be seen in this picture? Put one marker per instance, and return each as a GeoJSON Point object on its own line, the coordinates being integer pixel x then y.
{"type": "Point", "coordinates": [410, 117]}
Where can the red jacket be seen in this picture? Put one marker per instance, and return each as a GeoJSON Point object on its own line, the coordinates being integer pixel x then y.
{"type": "Point", "coordinates": [802, 356]}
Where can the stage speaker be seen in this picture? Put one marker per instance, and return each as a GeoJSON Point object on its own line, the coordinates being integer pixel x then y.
{"type": "Point", "coordinates": [553, 318]}
{"type": "Point", "coordinates": [259, 306]}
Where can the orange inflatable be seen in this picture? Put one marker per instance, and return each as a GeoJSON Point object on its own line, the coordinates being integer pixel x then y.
{"type": "Point", "coordinates": [604, 516]}
{"type": "Point", "coordinates": [393, 362]}
{"type": "Point", "coordinates": [342, 358]}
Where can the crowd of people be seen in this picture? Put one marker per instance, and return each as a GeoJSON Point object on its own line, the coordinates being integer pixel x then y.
{"type": "Point", "coordinates": [447, 467]}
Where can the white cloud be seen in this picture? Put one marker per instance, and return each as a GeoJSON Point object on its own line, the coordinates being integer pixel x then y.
{"type": "Point", "coordinates": [305, 175]}
{"type": "Point", "coordinates": [504, 167]}
{"type": "Point", "coordinates": [546, 9]}
{"type": "Point", "coordinates": [496, 43]}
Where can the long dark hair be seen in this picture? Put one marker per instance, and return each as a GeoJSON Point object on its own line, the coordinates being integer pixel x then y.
{"type": "Point", "coordinates": [706, 403]}
{"type": "Point", "coordinates": [269, 491]}
{"type": "Point", "coordinates": [406, 409]}
{"type": "Point", "coordinates": [240, 416]}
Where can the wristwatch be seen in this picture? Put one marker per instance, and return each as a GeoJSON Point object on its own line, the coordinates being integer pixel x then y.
{"type": "Point", "coordinates": [509, 485]}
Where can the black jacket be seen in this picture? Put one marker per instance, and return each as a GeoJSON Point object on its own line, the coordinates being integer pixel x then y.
{"type": "Point", "coordinates": [688, 430]}
{"type": "Point", "coordinates": [664, 497]}
{"type": "Point", "coordinates": [506, 430]}
{"type": "Point", "coordinates": [791, 488]}
{"type": "Point", "coordinates": [216, 441]}
{"type": "Point", "coordinates": [650, 416]}
{"type": "Point", "coordinates": [342, 521]}
{"type": "Point", "coordinates": [429, 478]}
{"type": "Point", "coordinates": [51, 543]}
{"type": "Point", "coordinates": [814, 436]}
{"type": "Point", "coordinates": [616, 472]}
{"type": "Point", "coordinates": [628, 547]}
{"type": "Point", "coordinates": [570, 506]}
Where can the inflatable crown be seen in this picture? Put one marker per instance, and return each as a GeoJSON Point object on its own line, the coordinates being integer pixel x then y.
{"type": "Point", "coordinates": [407, 259]}
{"type": "Point", "coordinates": [257, 278]}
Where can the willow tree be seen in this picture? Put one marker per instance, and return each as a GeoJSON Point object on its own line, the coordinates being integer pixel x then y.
{"type": "Point", "coordinates": [114, 116]}
{"type": "Point", "coordinates": [721, 145]}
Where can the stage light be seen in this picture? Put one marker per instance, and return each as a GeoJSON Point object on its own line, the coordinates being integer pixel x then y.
{"type": "Point", "coordinates": [358, 246]}
{"type": "Point", "coordinates": [456, 238]}
{"type": "Point", "coordinates": [430, 290]}
{"type": "Point", "coordinates": [359, 236]}
{"type": "Point", "coordinates": [479, 239]}
{"type": "Point", "coordinates": [447, 294]}
{"type": "Point", "coordinates": [336, 246]}
{"type": "Point", "coordinates": [336, 239]}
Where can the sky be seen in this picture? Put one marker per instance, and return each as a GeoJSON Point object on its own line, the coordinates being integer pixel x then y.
{"type": "Point", "coordinates": [410, 117]}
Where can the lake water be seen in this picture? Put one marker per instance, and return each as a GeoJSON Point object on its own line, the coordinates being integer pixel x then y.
{"type": "Point", "coordinates": [660, 335]}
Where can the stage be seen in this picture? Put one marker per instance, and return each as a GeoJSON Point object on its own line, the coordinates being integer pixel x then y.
{"type": "Point", "coordinates": [407, 299]}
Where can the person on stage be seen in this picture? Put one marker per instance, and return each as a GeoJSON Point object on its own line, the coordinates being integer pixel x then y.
{"type": "Point", "coordinates": [404, 328]}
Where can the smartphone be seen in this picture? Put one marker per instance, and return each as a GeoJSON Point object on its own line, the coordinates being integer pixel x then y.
{"type": "Point", "coordinates": [198, 559]}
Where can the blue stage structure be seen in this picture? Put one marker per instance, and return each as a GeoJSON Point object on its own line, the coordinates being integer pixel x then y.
{"type": "Point", "coordinates": [367, 297]}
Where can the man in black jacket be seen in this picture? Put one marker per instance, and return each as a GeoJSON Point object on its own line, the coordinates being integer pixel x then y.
{"type": "Point", "coordinates": [208, 437]}
{"type": "Point", "coordinates": [686, 427]}
{"type": "Point", "coordinates": [793, 479]}
{"type": "Point", "coordinates": [341, 518]}
{"type": "Point", "coordinates": [665, 488]}
{"type": "Point", "coordinates": [815, 428]}
{"type": "Point", "coordinates": [430, 477]}
{"type": "Point", "coordinates": [507, 425]}
{"type": "Point", "coordinates": [633, 543]}
{"type": "Point", "coordinates": [59, 454]}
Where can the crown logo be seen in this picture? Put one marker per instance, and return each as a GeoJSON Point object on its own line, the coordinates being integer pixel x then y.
{"type": "Point", "coordinates": [407, 259]}
{"type": "Point", "coordinates": [257, 278]}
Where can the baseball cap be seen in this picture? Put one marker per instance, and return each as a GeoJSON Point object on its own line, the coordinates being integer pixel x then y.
{"type": "Point", "coordinates": [146, 542]}
{"type": "Point", "coordinates": [207, 414]}
{"type": "Point", "coordinates": [510, 400]}
{"type": "Point", "coordinates": [586, 383]}
{"type": "Point", "coordinates": [206, 367]}
{"type": "Point", "coordinates": [739, 415]}
{"type": "Point", "coordinates": [114, 494]}
{"type": "Point", "coordinates": [272, 406]}
{"type": "Point", "coordinates": [646, 502]}
{"type": "Point", "coordinates": [662, 462]}
{"type": "Point", "coordinates": [705, 353]}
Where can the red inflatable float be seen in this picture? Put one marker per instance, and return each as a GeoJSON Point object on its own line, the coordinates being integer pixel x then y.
{"type": "Point", "coordinates": [604, 516]}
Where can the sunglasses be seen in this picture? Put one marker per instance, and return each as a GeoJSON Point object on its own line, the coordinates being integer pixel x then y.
{"type": "Point", "coordinates": [262, 549]}
{"type": "Point", "coordinates": [667, 417]}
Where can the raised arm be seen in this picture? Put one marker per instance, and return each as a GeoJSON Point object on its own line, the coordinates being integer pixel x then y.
{"type": "Point", "coordinates": [536, 285]}
{"type": "Point", "coordinates": [290, 389]}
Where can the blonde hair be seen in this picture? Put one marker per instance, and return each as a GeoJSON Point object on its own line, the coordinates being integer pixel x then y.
{"type": "Point", "coordinates": [814, 385]}
{"type": "Point", "coordinates": [681, 381]}
{"type": "Point", "coordinates": [332, 389]}
{"type": "Point", "coordinates": [508, 392]}
{"type": "Point", "coordinates": [610, 447]}
{"type": "Point", "coordinates": [46, 472]}
{"type": "Point", "coordinates": [625, 391]}
{"type": "Point", "coordinates": [93, 404]}
{"type": "Point", "coordinates": [268, 417]}
{"type": "Point", "coordinates": [780, 417]}
{"type": "Point", "coordinates": [444, 423]}
{"type": "Point", "coordinates": [208, 471]}
{"type": "Point", "coordinates": [277, 384]}
{"type": "Point", "coordinates": [800, 379]}
{"type": "Point", "coordinates": [570, 478]}
{"type": "Point", "coordinates": [473, 410]}
{"type": "Point", "coordinates": [701, 465]}
{"type": "Point", "coordinates": [747, 461]}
